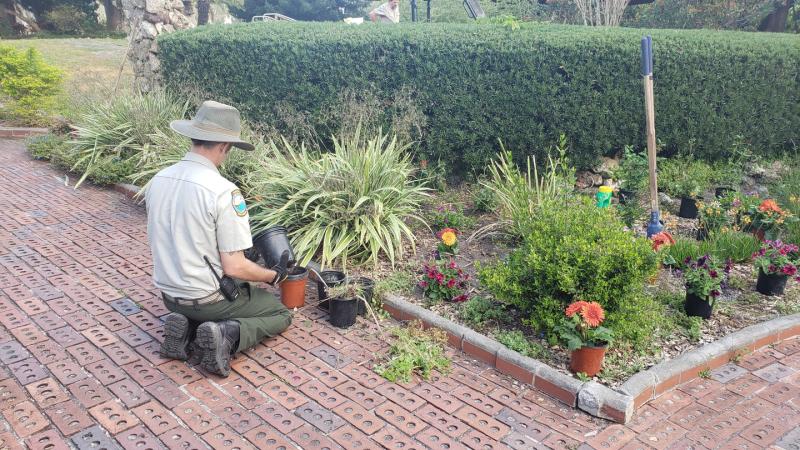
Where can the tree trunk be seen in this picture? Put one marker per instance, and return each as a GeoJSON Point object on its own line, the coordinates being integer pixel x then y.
{"type": "Point", "coordinates": [113, 15]}
{"type": "Point", "coordinates": [776, 21]}
{"type": "Point", "coordinates": [202, 11]}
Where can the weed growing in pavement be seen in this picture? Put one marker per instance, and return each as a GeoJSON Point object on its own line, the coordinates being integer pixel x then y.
{"type": "Point", "coordinates": [415, 352]}
{"type": "Point", "coordinates": [741, 353]}
{"type": "Point", "coordinates": [705, 374]}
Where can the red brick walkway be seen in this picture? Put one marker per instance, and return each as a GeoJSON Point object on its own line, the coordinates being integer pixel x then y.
{"type": "Point", "coordinates": [80, 329]}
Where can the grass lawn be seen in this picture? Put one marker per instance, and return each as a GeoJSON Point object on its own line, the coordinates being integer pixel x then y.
{"type": "Point", "coordinates": [91, 67]}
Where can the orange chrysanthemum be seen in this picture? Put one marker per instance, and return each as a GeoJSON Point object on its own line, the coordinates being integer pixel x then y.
{"type": "Point", "coordinates": [662, 239]}
{"type": "Point", "coordinates": [576, 307]}
{"type": "Point", "coordinates": [593, 314]}
{"type": "Point", "coordinates": [769, 205]}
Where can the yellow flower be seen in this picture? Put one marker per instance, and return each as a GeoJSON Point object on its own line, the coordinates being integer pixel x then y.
{"type": "Point", "coordinates": [449, 238]}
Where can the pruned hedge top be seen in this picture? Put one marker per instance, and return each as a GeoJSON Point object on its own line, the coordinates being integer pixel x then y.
{"type": "Point", "coordinates": [480, 82]}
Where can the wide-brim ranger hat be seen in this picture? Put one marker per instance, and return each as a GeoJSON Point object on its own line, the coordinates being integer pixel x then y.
{"type": "Point", "coordinates": [214, 122]}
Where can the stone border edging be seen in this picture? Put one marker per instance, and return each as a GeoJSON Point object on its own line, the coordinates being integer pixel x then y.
{"type": "Point", "coordinates": [592, 397]}
{"type": "Point", "coordinates": [129, 190]}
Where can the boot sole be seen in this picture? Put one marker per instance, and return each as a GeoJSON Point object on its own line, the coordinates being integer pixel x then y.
{"type": "Point", "coordinates": [176, 337]}
{"type": "Point", "coordinates": [209, 340]}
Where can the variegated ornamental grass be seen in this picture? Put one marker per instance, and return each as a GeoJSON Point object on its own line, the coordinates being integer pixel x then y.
{"type": "Point", "coordinates": [353, 204]}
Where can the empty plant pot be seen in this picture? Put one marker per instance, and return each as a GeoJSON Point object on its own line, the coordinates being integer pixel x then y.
{"type": "Point", "coordinates": [331, 278]}
{"type": "Point", "coordinates": [588, 360]}
{"type": "Point", "coordinates": [688, 208]}
{"type": "Point", "coordinates": [343, 311]}
{"type": "Point", "coordinates": [271, 243]}
{"type": "Point", "coordinates": [293, 289]}
{"type": "Point", "coordinates": [368, 286]}
{"type": "Point", "coordinates": [697, 307]}
{"type": "Point", "coordinates": [771, 284]}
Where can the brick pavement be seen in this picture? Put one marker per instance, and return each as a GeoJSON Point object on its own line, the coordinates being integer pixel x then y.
{"type": "Point", "coordinates": [80, 328]}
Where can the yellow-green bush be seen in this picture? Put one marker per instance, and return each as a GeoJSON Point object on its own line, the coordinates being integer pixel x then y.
{"type": "Point", "coordinates": [28, 86]}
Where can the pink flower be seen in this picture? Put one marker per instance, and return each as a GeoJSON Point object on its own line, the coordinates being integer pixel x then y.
{"type": "Point", "coordinates": [789, 269]}
{"type": "Point", "coordinates": [452, 265]}
{"type": "Point", "coordinates": [772, 268]}
{"type": "Point", "coordinates": [451, 283]}
{"type": "Point", "coordinates": [423, 284]}
{"type": "Point", "coordinates": [439, 278]}
{"type": "Point", "coordinates": [460, 298]}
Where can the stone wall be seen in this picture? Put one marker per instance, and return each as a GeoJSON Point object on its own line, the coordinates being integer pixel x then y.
{"type": "Point", "coordinates": [148, 19]}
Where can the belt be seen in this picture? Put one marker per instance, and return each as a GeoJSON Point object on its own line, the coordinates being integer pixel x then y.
{"type": "Point", "coordinates": [214, 297]}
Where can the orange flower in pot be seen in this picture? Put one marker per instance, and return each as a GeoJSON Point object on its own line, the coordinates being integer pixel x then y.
{"type": "Point", "coordinates": [581, 332]}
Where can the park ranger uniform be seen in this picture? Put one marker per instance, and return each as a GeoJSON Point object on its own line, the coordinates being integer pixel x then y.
{"type": "Point", "coordinates": [194, 212]}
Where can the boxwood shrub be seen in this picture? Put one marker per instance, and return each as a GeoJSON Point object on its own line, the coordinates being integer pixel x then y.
{"type": "Point", "coordinates": [477, 83]}
{"type": "Point", "coordinates": [578, 251]}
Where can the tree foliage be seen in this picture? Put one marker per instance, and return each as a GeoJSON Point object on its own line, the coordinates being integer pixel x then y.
{"type": "Point", "coordinates": [316, 10]}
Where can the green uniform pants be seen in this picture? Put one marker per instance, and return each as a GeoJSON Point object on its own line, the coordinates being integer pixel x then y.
{"type": "Point", "coordinates": [260, 314]}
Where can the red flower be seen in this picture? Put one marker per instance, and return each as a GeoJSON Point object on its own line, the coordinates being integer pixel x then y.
{"type": "Point", "coordinates": [789, 269]}
{"type": "Point", "coordinates": [460, 298]}
{"type": "Point", "coordinates": [423, 284]}
{"type": "Point", "coordinates": [439, 278]}
{"type": "Point", "coordinates": [593, 314]}
{"type": "Point", "coordinates": [575, 307]}
{"type": "Point", "coordinates": [769, 205]}
{"type": "Point", "coordinates": [451, 283]}
{"type": "Point", "coordinates": [452, 265]}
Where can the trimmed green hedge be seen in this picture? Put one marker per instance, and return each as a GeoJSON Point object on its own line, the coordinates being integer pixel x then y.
{"type": "Point", "coordinates": [478, 83]}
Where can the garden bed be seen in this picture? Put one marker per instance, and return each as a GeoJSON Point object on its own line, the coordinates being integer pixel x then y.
{"type": "Point", "coordinates": [739, 306]}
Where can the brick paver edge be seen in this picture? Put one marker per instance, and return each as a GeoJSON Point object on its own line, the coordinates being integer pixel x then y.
{"type": "Point", "coordinates": [619, 404]}
{"type": "Point", "coordinates": [21, 132]}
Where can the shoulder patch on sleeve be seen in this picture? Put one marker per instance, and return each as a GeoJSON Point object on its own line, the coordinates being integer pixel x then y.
{"type": "Point", "coordinates": [237, 201]}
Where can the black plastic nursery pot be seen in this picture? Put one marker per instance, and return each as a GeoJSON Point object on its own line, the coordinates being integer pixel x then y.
{"type": "Point", "coordinates": [626, 196]}
{"type": "Point", "coordinates": [367, 288]}
{"type": "Point", "coordinates": [771, 284]}
{"type": "Point", "coordinates": [697, 307]}
{"type": "Point", "coordinates": [688, 208]}
{"type": "Point", "coordinates": [271, 243]}
{"type": "Point", "coordinates": [702, 234]}
{"type": "Point", "coordinates": [331, 278]}
{"type": "Point", "coordinates": [343, 311]}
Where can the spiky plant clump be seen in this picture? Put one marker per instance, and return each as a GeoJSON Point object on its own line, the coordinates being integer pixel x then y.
{"type": "Point", "coordinates": [351, 204]}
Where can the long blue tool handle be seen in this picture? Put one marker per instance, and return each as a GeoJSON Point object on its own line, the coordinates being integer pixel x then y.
{"type": "Point", "coordinates": [647, 56]}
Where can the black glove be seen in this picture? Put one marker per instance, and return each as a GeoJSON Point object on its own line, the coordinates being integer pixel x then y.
{"type": "Point", "coordinates": [281, 271]}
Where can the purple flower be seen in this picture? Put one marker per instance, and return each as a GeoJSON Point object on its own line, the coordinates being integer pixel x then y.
{"type": "Point", "coordinates": [715, 293]}
{"type": "Point", "coordinates": [713, 274]}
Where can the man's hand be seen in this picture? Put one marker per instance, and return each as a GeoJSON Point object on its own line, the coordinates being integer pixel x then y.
{"type": "Point", "coordinates": [281, 271]}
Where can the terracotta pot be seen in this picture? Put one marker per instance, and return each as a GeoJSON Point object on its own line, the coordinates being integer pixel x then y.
{"type": "Point", "coordinates": [293, 290]}
{"type": "Point", "coordinates": [588, 360]}
{"type": "Point", "coordinates": [771, 284]}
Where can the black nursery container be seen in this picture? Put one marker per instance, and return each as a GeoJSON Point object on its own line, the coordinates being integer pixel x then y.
{"type": "Point", "coordinates": [771, 284]}
{"type": "Point", "coordinates": [367, 287]}
{"type": "Point", "coordinates": [331, 278]}
{"type": "Point", "coordinates": [271, 243]}
{"type": "Point", "coordinates": [343, 311]}
{"type": "Point", "coordinates": [688, 208]}
{"type": "Point", "coordinates": [626, 196]}
{"type": "Point", "coordinates": [696, 306]}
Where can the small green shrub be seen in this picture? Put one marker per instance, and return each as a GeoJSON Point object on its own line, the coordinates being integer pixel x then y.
{"type": "Point", "coordinates": [434, 174]}
{"type": "Point", "coordinates": [685, 177]}
{"type": "Point", "coordinates": [517, 341]}
{"type": "Point", "coordinates": [483, 200]}
{"type": "Point", "coordinates": [351, 203]}
{"type": "Point", "coordinates": [477, 311]}
{"type": "Point", "coordinates": [450, 216]}
{"type": "Point", "coordinates": [28, 86]}
{"type": "Point", "coordinates": [573, 251]}
{"type": "Point", "coordinates": [415, 352]}
{"type": "Point", "coordinates": [43, 147]}
{"type": "Point", "coordinates": [633, 170]}
{"type": "Point", "coordinates": [631, 211]}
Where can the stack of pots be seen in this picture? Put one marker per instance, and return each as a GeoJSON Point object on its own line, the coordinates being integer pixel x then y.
{"type": "Point", "coordinates": [343, 311]}
{"type": "Point", "coordinates": [272, 243]}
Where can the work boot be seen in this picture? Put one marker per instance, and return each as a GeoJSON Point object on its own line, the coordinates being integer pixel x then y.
{"type": "Point", "coordinates": [218, 342]}
{"type": "Point", "coordinates": [177, 336]}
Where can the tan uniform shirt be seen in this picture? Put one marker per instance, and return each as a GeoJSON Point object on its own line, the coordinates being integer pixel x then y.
{"type": "Point", "coordinates": [387, 14]}
{"type": "Point", "coordinates": [192, 211]}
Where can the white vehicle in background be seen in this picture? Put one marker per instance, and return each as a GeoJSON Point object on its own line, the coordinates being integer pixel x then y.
{"type": "Point", "coordinates": [271, 17]}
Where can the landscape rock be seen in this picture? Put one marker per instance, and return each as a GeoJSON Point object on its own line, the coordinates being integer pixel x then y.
{"type": "Point", "coordinates": [607, 167]}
